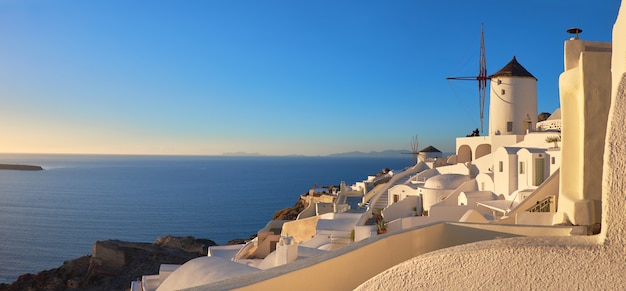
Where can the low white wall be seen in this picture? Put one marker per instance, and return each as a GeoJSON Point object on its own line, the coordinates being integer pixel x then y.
{"type": "Point", "coordinates": [362, 232]}
{"type": "Point", "coordinates": [453, 198]}
{"type": "Point", "coordinates": [323, 208]}
{"type": "Point", "coordinates": [454, 169]}
{"type": "Point", "coordinates": [534, 218]}
{"type": "Point", "coordinates": [449, 213]}
{"type": "Point", "coordinates": [402, 191]}
{"type": "Point", "coordinates": [300, 230]}
{"type": "Point", "coordinates": [472, 197]}
{"type": "Point", "coordinates": [310, 211]}
{"type": "Point", "coordinates": [401, 208]}
{"type": "Point", "coordinates": [364, 259]}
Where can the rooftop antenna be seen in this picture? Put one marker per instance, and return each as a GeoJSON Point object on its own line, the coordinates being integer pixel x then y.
{"type": "Point", "coordinates": [481, 78]}
{"type": "Point", "coordinates": [574, 31]}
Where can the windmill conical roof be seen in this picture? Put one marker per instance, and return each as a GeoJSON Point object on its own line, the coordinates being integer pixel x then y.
{"type": "Point", "coordinates": [430, 149]}
{"type": "Point", "coordinates": [513, 69]}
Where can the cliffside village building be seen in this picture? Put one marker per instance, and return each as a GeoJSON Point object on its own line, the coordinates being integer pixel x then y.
{"type": "Point", "coordinates": [529, 205]}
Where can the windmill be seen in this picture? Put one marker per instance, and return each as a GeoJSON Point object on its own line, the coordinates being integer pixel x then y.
{"type": "Point", "coordinates": [481, 78]}
{"type": "Point", "coordinates": [414, 149]}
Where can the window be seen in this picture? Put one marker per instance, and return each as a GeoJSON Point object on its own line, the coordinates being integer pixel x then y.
{"type": "Point", "coordinates": [553, 160]}
{"type": "Point", "coordinates": [522, 165]}
{"type": "Point", "coordinates": [509, 126]}
{"type": "Point", "coordinates": [501, 166]}
{"type": "Point", "coordinates": [396, 198]}
{"type": "Point", "coordinates": [503, 92]}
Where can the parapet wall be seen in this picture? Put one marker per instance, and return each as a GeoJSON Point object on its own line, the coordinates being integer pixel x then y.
{"type": "Point", "coordinates": [361, 261]}
{"type": "Point", "coordinates": [300, 230]}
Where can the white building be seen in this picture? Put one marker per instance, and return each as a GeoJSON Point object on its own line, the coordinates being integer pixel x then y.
{"type": "Point", "coordinates": [512, 113]}
{"type": "Point", "coordinates": [533, 167]}
{"type": "Point", "coordinates": [429, 153]}
{"type": "Point", "coordinates": [505, 170]}
{"type": "Point", "coordinates": [512, 100]}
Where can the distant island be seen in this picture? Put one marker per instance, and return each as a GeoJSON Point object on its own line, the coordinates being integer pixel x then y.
{"type": "Point", "coordinates": [241, 154]}
{"type": "Point", "coordinates": [20, 167]}
{"type": "Point", "coordinates": [385, 153]}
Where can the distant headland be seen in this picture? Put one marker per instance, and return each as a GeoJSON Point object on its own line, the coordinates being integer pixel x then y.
{"type": "Point", "coordinates": [375, 154]}
{"type": "Point", "coordinates": [242, 154]}
{"type": "Point", "coordinates": [20, 167]}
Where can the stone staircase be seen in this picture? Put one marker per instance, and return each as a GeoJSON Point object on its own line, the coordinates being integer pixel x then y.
{"type": "Point", "coordinates": [383, 198]}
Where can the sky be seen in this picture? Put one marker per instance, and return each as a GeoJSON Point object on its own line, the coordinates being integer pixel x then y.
{"type": "Point", "coordinates": [269, 77]}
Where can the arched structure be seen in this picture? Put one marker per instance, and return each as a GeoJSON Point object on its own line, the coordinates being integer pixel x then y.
{"type": "Point", "coordinates": [471, 148]}
{"type": "Point", "coordinates": [482, 150]}
{"type": "Point", "coordinates": [464, 154]}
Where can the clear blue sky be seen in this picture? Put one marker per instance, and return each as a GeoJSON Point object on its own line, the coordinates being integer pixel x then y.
{"type": "Point", "coordinates": [273, 77]}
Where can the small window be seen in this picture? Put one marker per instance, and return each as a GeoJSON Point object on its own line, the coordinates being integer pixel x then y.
{"type": "Point", "coordinates": [509, 126]}
{"type": "Point", "coordinates": [553, 159]}
{"type": "Point", "coordinates": [522, 165]}
{"type": "Point", "coordinates": [396, 198]}
{"type": "Point", "coordinates": [503, 92]}
{"type": "Point", "coordinates": [501, 166]}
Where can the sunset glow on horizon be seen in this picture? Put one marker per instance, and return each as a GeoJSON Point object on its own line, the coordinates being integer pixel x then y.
{"type": "Point", "coordinates": [271, 77]}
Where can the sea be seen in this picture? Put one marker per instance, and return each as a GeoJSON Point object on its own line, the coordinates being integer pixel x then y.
{"type": "Point", "coordinates": [54, 215]}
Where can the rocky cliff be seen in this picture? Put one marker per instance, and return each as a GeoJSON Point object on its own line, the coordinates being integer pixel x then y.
{"type": "Point", "coordinates": [114, 264]}
{"type": "Point", "coordinates": [291, 213]}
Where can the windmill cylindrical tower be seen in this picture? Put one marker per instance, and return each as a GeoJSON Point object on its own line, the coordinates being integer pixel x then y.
{"type": "Point", "coordinates": [512, 100]}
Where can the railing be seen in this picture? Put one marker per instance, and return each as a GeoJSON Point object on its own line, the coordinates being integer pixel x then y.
{"type": "Point", "coordinates": [310, 211]}
{"type": "Point", "coordinates": [417, 179]}
{"type": "Point", "coordinates": [542, 206]}
{"type": "Point", "coordinates": [547, 189]}
{"type": "Point", "coordinates": [548, 125]}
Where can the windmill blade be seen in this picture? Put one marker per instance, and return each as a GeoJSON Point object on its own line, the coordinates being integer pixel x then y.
{"type": "Point", "coordinates": [481, 78]}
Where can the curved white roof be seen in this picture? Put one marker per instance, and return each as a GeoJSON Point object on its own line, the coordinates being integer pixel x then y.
{"type": "Point", "coordinates": [532, 150]}
{"type": "Point", "coordinates": [203, 270]}
{"type": "Point", "coordinates": [446, 181]}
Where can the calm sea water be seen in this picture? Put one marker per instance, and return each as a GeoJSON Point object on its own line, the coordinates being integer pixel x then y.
{"type": "Point", "coordinates": [47, 217]}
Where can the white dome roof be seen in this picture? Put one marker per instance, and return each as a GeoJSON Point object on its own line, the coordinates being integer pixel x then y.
{"type": "Point", "coordinates": [203, 270]}
{"type": "Point", "coordinates": [445, 181]}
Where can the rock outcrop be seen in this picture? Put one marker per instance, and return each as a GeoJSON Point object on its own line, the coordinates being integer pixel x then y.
{"type": "Point", "coordinates": [20, 167]}
{"type": "Point", "coordinates": [187, 244]}
{"type": "Point", "coordinates": [290, 213]}
{"type": "Point", "coordinates": [113, 265]}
